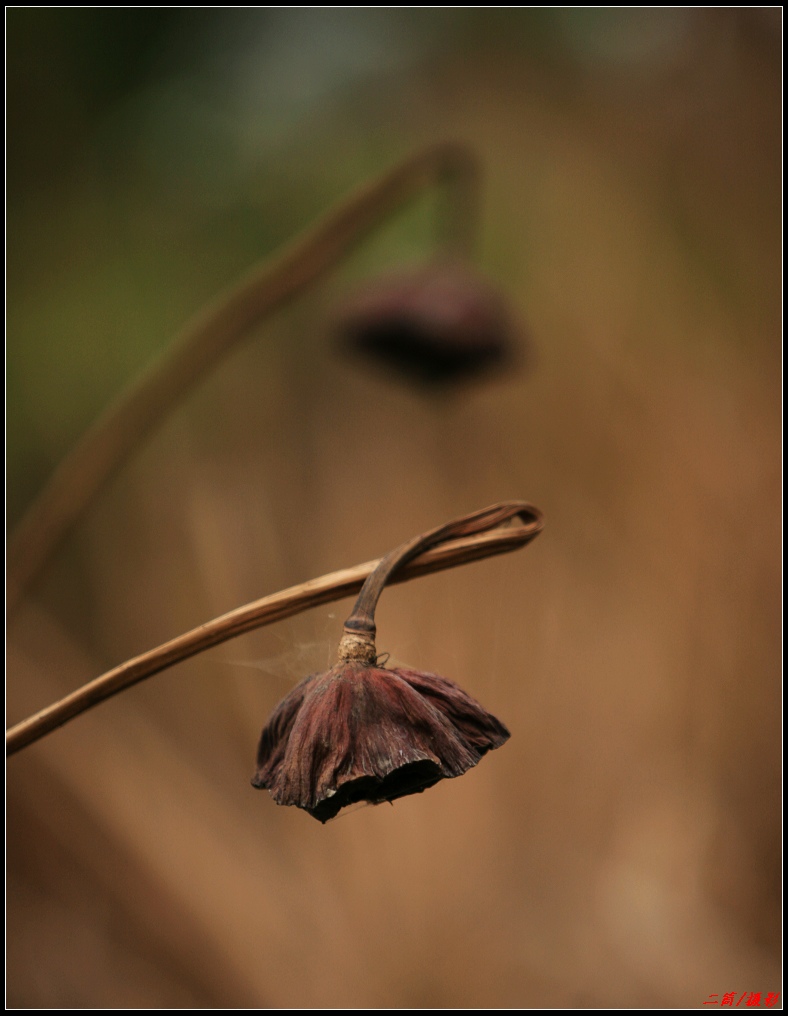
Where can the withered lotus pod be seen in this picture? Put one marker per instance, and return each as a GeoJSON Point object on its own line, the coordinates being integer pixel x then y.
{"type": "Point", "coordinates": [361, 732]}
{"type": "Point", "coordinates": [434, 326]}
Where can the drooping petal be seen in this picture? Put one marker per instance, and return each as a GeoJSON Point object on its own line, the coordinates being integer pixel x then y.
{"type": "Point", "coordinates": [273, 740]}
{"type": "Point", "coordinates": [481, 730]}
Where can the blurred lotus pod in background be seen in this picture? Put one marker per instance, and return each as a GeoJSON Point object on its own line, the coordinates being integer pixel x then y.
{"type": "Point", "coordinates": [434, 327]}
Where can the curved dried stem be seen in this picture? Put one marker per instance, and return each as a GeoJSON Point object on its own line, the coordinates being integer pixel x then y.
{"type": "Point", "coordinates": [269, 609]}
{"type": "Point", "coordinates": [362, 621]}
{"type": "Point", "coordinates": [211, 335]}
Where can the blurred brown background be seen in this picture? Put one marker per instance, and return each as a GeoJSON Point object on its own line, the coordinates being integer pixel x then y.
{"type": "Point", "coordinates": [624, 848]}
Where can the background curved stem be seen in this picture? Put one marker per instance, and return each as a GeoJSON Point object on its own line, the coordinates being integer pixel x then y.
{"type": "Point", "coordinates": [212, 333]}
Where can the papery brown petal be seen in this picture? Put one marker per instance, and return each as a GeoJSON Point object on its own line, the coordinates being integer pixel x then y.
{"type": "Point", "coordinates": [481, 730]}
{"type": "Point", "coordinates": [273, 741]}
